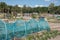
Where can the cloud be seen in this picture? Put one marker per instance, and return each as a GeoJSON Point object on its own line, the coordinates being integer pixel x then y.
{"type": "Point", "coordinates": [47, 0]}
{"type": "Point", "coordinates": [20, 5]}
{"type": "Point", "coordinates": [55, 1]}
{"type": "Point", "coordinates": [39, 5]}
{"type": "Point", "coordinates": [31, 6]}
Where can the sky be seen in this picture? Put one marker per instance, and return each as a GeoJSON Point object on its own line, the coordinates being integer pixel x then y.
{"type": "Point", "coordinates": [32, 3]}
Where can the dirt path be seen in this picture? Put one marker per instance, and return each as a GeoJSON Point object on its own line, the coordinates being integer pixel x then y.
{"type": "Point", "coordinates": [54, 26]}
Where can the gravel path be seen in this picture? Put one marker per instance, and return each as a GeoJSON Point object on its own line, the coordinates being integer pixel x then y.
{"type": "Point", "coordinates": [54, 26]}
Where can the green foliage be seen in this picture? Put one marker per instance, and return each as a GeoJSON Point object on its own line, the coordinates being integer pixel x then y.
{"type": "Point", "coordinates": [33, 16]}
{"type": "Point", "coordinates": [4, 8]}
{"type": "Point", "coordinates": [45, 35]}
{"type": "Point", "coordinates": [51, 8]}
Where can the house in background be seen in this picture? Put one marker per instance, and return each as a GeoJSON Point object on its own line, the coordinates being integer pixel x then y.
{"type": "Point", "coordinates": [27, 16]}
{"type": "Point", "coordinates": [57, 16]}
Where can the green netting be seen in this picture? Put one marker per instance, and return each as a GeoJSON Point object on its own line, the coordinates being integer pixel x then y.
{"type": "Point", "coordinates": [19, 28]}
{"type": "Point", "coordinates": [22, 28]}
{"type": "Point", "coordinates": [3, 30]}
{"type": "Point", "coordinates": [43, 24]}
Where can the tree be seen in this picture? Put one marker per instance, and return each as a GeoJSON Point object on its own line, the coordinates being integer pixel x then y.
{"type": "Point", "coordinates": [51, 8]}
{"type": "Point", "coordinates": [58, 10]}
{"type": "Point", "coordinates": [3, 6]}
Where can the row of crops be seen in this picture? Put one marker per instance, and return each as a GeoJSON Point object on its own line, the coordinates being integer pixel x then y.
{"type": "Point", "coordinates": [44, 36]}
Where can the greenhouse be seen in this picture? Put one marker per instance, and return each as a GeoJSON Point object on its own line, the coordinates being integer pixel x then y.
{"type": "Point", "coordinates": [22, 28]}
